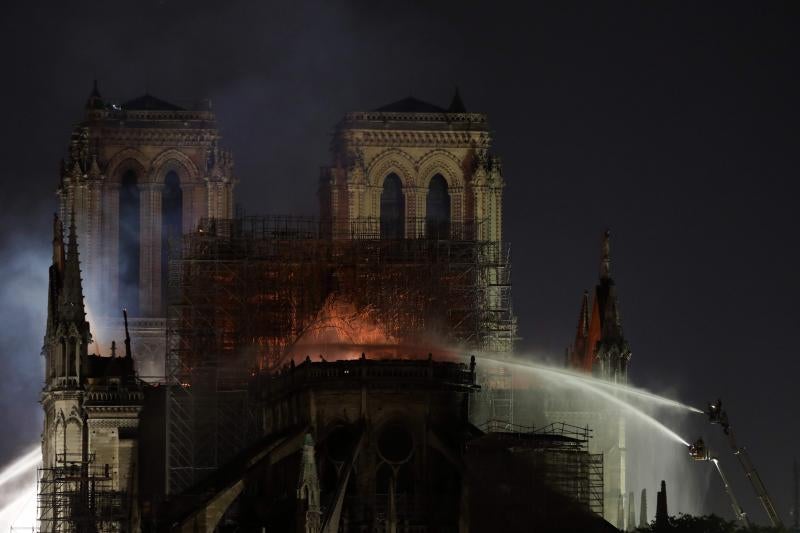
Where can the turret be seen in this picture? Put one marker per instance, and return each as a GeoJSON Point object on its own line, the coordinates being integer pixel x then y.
{"type": "Point", "coordinates": [605, 257]}
{"type": "Point", "coordinates": [631, 512]}
{"type": "Point", "coordinates": [56, 276]}
{"type": "Point", "coordinates": [599, 346]}
{"type": "Point", "coordinates": [612, 351]}
{"type": "Point", "coordinates": [579, 353]}
{"type": "Point", "coordinates": [662, 515]}
{"type": "Point", "coordinates": [95, 101]}
{"type": "Point", "coordinates": [643, 509]}
{"type": "Point", "coordinates": [457, 104]}
{"type": "Point", "coordinates": [67, 333]}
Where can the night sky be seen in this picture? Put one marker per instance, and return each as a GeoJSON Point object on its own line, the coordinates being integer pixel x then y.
{"type": "Point", "coordinates": [674, 124]}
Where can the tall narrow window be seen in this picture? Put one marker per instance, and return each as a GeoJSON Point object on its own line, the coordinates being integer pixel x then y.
{"type": "Point", "coordinates": [129, 242]}
{"type": "Point", "coordinates": [437, 213]}
{"type": "Point", "coordinates": [171, 225]}
{"type": "Point", "coordinates": [393, 207]}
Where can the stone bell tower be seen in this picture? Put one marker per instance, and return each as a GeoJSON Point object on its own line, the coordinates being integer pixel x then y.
{"type": "Point", "coordinates": [417, 171]}
{"type": "Point", "coordinates": [138, 175]}
{"type": "Point", "coordinates": [91, 411]}
{"type": "Point", "coordinates": [65, 350]}
{"type": "Point", "coordinates": [412, 170]}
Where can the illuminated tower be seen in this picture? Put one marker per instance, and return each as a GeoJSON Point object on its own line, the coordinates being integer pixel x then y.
{"type": "Point", "coordinates": [600, 348]}
{"type": "Point", "coordinates": [91, 412]}
{"type": "Point", "coordinates": [138, 175]}
{"type": "Point", "coordinates": [65, 350]}
{"type": "Point", "coordinates": [412, 169]}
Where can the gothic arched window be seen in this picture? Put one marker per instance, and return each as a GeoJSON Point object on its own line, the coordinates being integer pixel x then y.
{"type": "Point", "coordinates": [171, 224]}
{"type": "Point", "coordinates": [129, 242]}
{"type": "Point", "coordinates": [393, 207]}
{"type": "Point", "coordinates": [437, 213]}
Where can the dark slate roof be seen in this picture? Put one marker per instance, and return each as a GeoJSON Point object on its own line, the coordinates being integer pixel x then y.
{"type": "Point", "coordinates": [148, 102]}
{"type": "Point", "coordinates": [411, 105]}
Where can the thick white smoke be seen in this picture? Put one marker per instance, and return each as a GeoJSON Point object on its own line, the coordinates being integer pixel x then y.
{"type": "Point", "coordinates": [23, 305]}
{"type": "Point", "coordinates": [18, 492]}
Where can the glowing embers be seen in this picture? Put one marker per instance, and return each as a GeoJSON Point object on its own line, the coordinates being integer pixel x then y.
{"type": "Point", "coordinates": [339, 322]}
{"type": "Point", "coordinates": [341, 331]}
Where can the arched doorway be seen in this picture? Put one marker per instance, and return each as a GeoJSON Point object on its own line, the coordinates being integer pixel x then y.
{"type": "Point", "coordinates": [437, 212]}
{"type": "Point", "coordinates": [129, 242]}
{"type": "Point", "coordinates": [393, 207]}
{"type": "Point", "coordinates": [171, 225]}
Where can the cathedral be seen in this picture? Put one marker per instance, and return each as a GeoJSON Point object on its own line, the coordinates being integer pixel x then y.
{"type": "Point", "coordinates": [283, 374]}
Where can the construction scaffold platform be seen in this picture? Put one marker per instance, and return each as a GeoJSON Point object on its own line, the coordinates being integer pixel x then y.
{"type": "Point", "coordinates": [247, 295]}
{"type": "Point", "coordinates": [562, 453]}
{"type": "Point", "coordinates": [77, 495]}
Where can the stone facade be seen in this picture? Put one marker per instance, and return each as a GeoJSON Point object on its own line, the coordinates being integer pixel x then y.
{"type": "Point", "coordinates": [413, 170]}
{"type": "Point", "coordinates": [415, 142]}
{"type": "Point", "coordinates": [161, 163]}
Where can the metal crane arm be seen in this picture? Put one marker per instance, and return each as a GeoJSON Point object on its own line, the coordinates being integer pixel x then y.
{"type": "Point", "coordinates": [717, 416]}
{"type": "Point", "coordinates": [755, 480]}
{"type": "Point", "coordinates": [699, 452]}
{"type": "Point", "coordinates": [737, 509]}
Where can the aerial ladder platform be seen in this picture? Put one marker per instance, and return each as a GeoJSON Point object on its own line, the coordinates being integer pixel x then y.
{"type": "Point", "coordinates": [699, 452]}
{"type": "Point", "coordinates": [717, 416]}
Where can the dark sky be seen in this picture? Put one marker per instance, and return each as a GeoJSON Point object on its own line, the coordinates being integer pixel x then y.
{"type": "Point", "coordinates": [673, 123]}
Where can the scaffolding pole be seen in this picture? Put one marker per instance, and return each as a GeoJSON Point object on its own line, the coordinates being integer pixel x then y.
{"type": "Point", "coordinates": [248, 294]}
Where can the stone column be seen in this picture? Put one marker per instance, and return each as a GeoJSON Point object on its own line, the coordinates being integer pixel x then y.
{"type": "Point", "coordinates": [231, 204]}
{"type": "Point", "coordinates": [93, 280]}
{"type": "Point", "coordinates": [109, 249]}
{"type": "Point", "coordinates": [195, 205]}
{"type": "Point", "coordinates": [216, 199]}
{"type": "Point", "coordinates": [456, 204]}
{"type": "Point", "coordinates": [150, 249]}
{"type": "Point", "coordinates": [497, 213]}
{"type": "Point", "coordinates": [415, 211]}
{"type": "Point", "coordinates": [480, 212]}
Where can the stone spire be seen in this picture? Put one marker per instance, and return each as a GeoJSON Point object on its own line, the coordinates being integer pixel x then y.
{"type": "Point", "coordinates": [308, 499]}
{"type": "Point", "coordinates": [58, 244]}
{"type": "Point", "coordinates": [95, 101]}
{"type": "Point", "coordinates": [583, 318]}
{"type": "Point", "coordinates": [631, 512]}
{"type": "Point", "coordinates": [457, 104]}
{"type": "Point", "coordinates": [56, 276]}
{"type": "Point", "coordinates": [605, 258]}
{"type": "Point", "coordinates": [612, 351]}
{"type": "Point", "coordinates": [579, 358]}
{"type": "Point", "coordinates": [72, 307]}
{"type": "Point", "coordinates": [643, 509]}
{"type": "Point", "coordinates": [67, 334]}
{"type": "Point", "coordinates": [662, 514]}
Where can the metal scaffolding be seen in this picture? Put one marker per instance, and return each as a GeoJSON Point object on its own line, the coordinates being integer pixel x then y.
{"type": "Point", "coordinates": [250, 294]}
{"type": "Point", "coordinates": [77, 496]}
{"type": "Point", "coordinates": [560, 452]}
